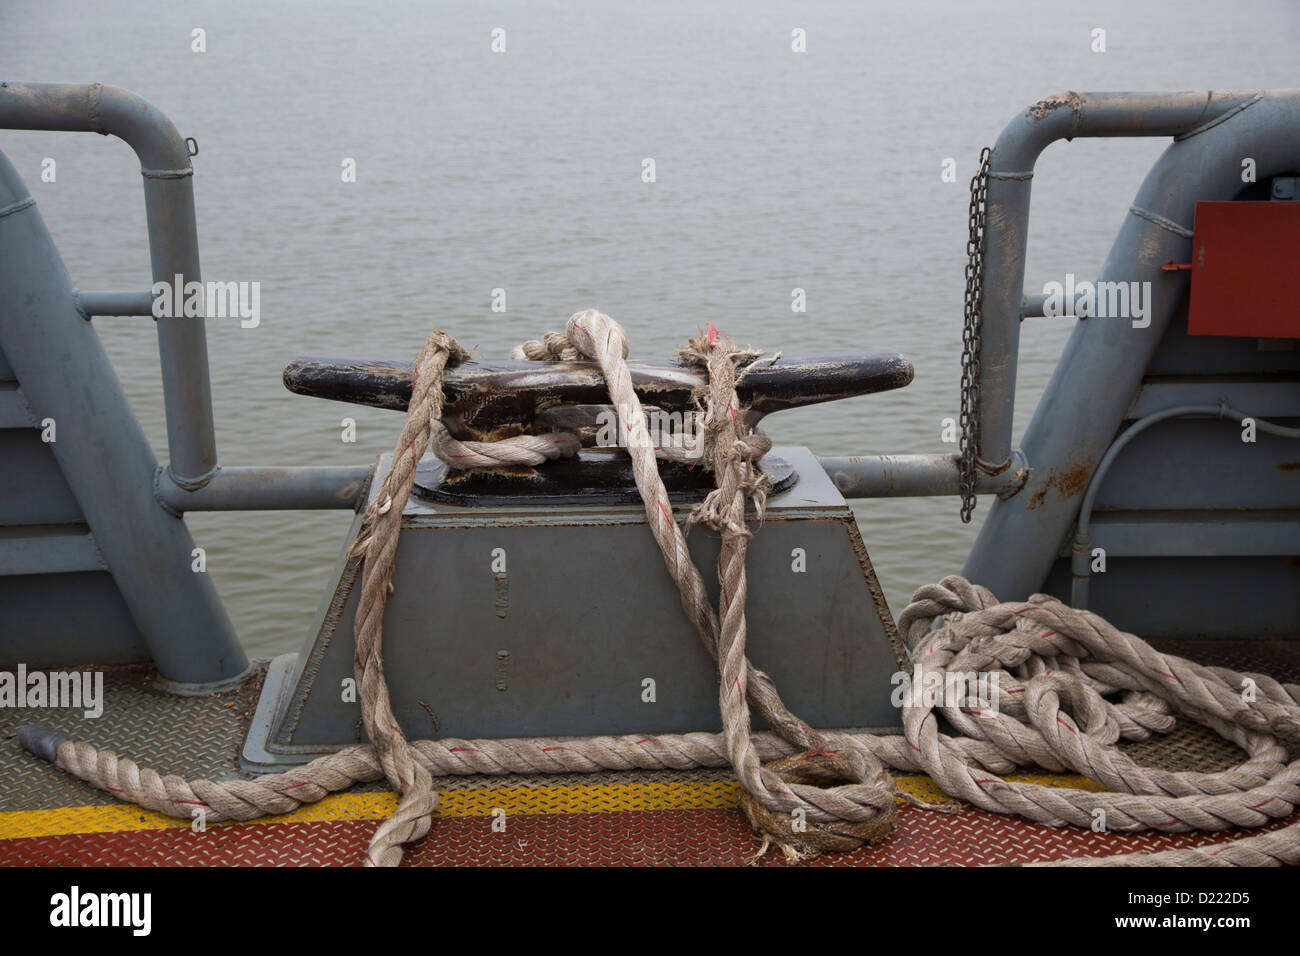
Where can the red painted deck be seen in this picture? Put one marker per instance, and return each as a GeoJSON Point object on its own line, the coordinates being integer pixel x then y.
{"type": "Point", "coordinates": [684, 837]}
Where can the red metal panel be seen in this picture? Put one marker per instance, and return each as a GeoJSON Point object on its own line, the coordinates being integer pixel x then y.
{"type": "Point", "coordinates": [1245, 256]}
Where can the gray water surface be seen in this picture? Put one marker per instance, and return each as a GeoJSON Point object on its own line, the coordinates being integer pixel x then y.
{"type": "Point", "coordinates": [522, 170]}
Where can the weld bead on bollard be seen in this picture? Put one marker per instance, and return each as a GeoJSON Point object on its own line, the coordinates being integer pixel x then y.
{"type": "Point", "coordinates": [41, 741]}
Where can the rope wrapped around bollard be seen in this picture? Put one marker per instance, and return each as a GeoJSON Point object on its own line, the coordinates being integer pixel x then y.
{"type": "Point", "coordinates": [828, 791]}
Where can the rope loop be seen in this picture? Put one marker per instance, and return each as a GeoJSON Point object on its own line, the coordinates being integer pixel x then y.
{"type": "Point", "coordinates": [800, 839]}
{"type": "Point", "coordinates": [553, 347]}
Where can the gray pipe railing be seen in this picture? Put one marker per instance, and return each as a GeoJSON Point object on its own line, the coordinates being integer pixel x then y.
{"type": "Point", "coordinates": [259, 488]}
{"type": "Point", "coordinates": [105, 456]}
{"type": "Point", "coordinates": [915, 476]}
{"type": "Point", "coordinates": [173, 241]}
{"type": "Point", "coordinates": [166, 168]}
{"type": "Point", "coordinates": [1034, 306]}
{"type": "Point", "coordinates": [114, 303]}
{"type": "Point", "coordinates": [182, 341]}
{"type": "Point", "coordinates": [1006, 302]}
{"type": "Point", "coordinates": [1011, 170]}
{"type": "Point", "coordinates": [1104, 361]}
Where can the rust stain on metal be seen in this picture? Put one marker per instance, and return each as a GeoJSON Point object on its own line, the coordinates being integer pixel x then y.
{"type": "Point", "coordinates": [1289, 466]}
{"type": "Point", "coordinates": [501, 585]}
{"type": "Point", "coordinates": [1050, 104]}
{"type": "Point", "coordinates": [471, 475]}
{"type": "Point", "coordinates": [433, 718]}
{"type": "Point", "coordinates": [497, 433]}
{"type": "Point", "coordinates": [503, 664]}
{"type": "Point", "coordinates": [859, 547]}
{"type": "Point", "coordinates": [1015, 484]}
{"type": "Point", "coordinates": [1074, 480]}
{"type": "Point", "coordinates": [1067, 482]}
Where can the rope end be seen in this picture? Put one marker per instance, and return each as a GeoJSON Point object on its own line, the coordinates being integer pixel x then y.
{"type": "Point", "coordinates": [41, 741]}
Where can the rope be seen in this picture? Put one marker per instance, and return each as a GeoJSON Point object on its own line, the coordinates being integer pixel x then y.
{"type": "Point", "coordinates": [377, 543]}
{"type": "Point", "coordinates": [519, 450]}
{"type": "Point", "coordinates": [565, 426]}
{"type": "Point", "coordinates": [858, 804]}
{"type": "Point", "coordinates": [830, 791]}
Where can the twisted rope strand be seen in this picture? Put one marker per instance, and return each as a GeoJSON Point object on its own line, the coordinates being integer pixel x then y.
{"type": "Point", "coordinates": [377, 546]}
{"type": "Point", "coordinates": [771, 793]}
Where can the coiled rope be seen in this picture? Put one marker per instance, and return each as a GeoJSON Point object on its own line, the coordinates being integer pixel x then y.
{"type": "Point", "coordinates": [1053, 664]}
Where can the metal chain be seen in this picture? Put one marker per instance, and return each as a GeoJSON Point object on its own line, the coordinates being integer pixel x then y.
{"type": "Point", "coordinates": [970, 337]}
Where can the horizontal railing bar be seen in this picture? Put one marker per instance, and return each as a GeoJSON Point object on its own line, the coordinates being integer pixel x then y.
{"type": "Point", "coordinates": [114, 303]}
{"type": "Point", "coordinates": [258, 488]}
{"type": "Point", "coordinates": [914, 476]}
{"type": "Point", "coordinates": [173, 240]}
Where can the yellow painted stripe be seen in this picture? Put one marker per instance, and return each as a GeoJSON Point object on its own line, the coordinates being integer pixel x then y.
{"type": "Point", "coordinates": [584, 798]}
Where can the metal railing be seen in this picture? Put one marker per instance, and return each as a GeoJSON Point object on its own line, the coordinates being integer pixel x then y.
{"type": "Point", "coordinates": [193, 478]}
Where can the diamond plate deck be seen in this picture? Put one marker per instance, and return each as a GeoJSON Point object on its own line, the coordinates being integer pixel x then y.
{"type": "Point", "coordinates": [188, 736]}
{"type": "Point", "coordinates": [666, 818]}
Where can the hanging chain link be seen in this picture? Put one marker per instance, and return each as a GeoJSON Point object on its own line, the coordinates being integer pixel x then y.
{"type": "Point", "coordinates": [970, 337]}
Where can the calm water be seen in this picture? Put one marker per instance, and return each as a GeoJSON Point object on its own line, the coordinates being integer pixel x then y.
{"type": "Point", "coordinates": [522, 171]}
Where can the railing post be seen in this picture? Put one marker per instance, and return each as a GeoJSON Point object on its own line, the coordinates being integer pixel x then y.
{"type": "Point", "coordinates": [173, 242]}
{"type": "Point", "coordinates": [105, 456]}
{"type": "Point", "coordinates": [1011, 173]}
{"type": "Point", "coordinates": [1102, 364]}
